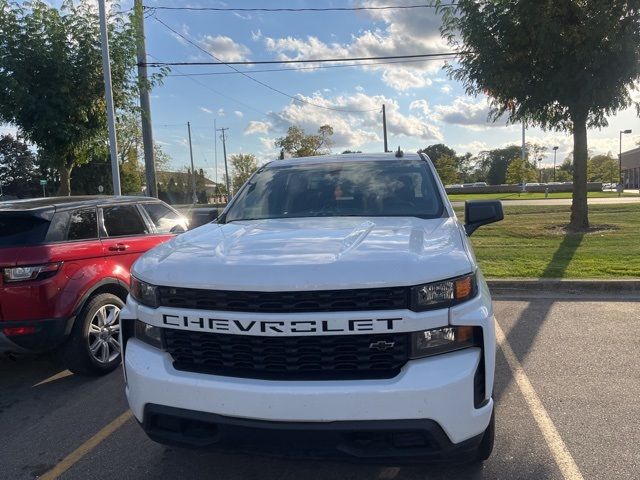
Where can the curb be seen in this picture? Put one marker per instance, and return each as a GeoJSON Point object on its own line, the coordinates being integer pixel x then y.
{"type": "Point", "coordinates": [510, 286]}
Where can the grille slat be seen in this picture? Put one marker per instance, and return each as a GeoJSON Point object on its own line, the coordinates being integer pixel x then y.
{"type": "Point", "coordinates": [390, 298]}
{"type": "Point", "coordinates": [332, 357]}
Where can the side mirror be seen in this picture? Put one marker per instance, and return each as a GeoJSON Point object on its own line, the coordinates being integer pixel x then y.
{"type": "Point", "coordinates": [481, 212]}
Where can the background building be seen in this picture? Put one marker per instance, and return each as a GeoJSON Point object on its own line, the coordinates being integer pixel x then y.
{"type": "Point", "coordinates": [631, 168]}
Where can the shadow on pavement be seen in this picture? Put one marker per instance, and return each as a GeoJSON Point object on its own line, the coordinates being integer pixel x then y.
{"type": "Point", "coordinates": [526, 328]}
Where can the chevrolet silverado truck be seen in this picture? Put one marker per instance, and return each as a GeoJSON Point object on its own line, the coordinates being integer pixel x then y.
{"type": "Point", "coordinates": [334, 309]}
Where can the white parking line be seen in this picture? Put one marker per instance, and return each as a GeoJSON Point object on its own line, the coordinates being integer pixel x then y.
{"type": "Point", "coordinates": [559, 450]}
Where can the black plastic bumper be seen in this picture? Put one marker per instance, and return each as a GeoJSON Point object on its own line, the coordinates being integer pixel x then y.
{"type": "Point", "coordinates": [379, 441]}
{"type": "Point", "coordinates": [47, 335]}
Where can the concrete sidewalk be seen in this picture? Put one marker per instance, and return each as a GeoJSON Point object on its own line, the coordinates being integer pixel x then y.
{"type": "Point", "coordinates": [566, 287]}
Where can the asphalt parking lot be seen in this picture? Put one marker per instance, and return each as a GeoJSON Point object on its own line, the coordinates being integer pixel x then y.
{"type": "Point", "coordinates": [567, 390]}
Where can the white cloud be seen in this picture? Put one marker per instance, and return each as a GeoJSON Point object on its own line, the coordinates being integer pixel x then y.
{"type": "Point", "coordinates": [405, 32]}
{"type": "Point", "coordinates": [359, 88]}
{"type": "Point", "coordinates": [238, 113]}
{"type": "Point", "coordinates": [221, 112]}
{"type": "Point", "coordinates": [225, 48]}
{"type": "Point", "coordinates": [468, 113]}
{"type": "Point", "coordinates": [206, 110]}
{"type": "Point", "coordinates": [255, 36]}
{"type": "Point", "coordinates": [421, 105]}
{"type": "Point", "coordinates": [256, 126]}
{"type": "Point", "coordinates": [352, 130]}
{"type": "Point", "coordinates": [446, 89]}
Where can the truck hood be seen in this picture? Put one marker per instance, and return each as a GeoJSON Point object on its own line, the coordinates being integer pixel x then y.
{"type": "Point", "coordinates": [309, 254]}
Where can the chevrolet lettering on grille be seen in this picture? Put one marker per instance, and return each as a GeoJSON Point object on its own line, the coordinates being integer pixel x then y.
{"type": "Point", "coordinates": [279, 327]}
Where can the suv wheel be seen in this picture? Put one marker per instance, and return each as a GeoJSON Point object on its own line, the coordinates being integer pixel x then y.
{"type": "Point", "coordinates": [94, 345]}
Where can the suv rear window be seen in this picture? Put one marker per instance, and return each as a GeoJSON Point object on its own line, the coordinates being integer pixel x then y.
{"type": "Point", "coordinates": [21, 230]}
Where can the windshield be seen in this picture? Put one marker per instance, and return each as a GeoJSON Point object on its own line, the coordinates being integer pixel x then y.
{"type": "Point", "coordinates": [362, 188]}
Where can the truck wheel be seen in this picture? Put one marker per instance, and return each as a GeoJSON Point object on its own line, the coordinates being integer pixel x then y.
{"type": "Point", "coordinates": [486, 445]}
{"type": "Point", "coordinates": [93, 347]}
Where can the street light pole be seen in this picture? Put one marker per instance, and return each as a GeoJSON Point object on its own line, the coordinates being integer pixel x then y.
{"type": "Point", "coordinates": [111, 122]}
{"type": "Point", "coordinates": [620, 155]}
{"type": "Point", "coordinates": [555, 151]}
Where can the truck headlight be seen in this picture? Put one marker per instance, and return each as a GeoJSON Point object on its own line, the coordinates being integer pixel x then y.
{"type": "Point", "coordinates": [443, 294]}
{"type": "Point", "coordinates": [149, 334]}
{"type": "Point", "coordinates": [144, 293]}
{"type": "Point", "coordinates": [443, 340]}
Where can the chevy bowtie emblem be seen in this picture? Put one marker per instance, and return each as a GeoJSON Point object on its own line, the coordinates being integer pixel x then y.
{"type": "Point", "coordinates": [381, 345]}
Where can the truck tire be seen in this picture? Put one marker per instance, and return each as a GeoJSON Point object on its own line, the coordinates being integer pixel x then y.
{"type": "Point", "coordinates": [93, 348]}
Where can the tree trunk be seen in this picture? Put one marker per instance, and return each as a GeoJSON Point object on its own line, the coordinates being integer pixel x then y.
{"type": "Point", "coordinates": [579, 209]}
{"type": "Point", "coordinates": [65, 180]}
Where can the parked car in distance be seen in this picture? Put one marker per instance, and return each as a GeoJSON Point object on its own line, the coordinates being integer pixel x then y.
{"type": "Point", "coordinates": [64, 265]}
{"type": "Point", "coordinates": [335, 308]}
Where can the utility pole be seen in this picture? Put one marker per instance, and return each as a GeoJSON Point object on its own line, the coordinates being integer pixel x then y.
{"type": "Point", "coordinates": [215, 154]}
{"type": "Point", "coordinates": [226, 167]}
{"type": "Point", "coordinates": [145, 105]}
{"type": "Point", "coordinates": [193, 171]}
{"type": "Point", "coordinates": [555, 151]}
{"type": "Point", "coordinates": [108, 93]}
{"type": "Point", "coordinates": [384, 127]}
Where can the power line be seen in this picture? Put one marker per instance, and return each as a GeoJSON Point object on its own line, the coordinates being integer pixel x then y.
{"type": "Point", "coordinates": [416, 57]}
{"type": "Point", "coordinates": [308, 9]}
{"type": "Point", "coordinates": [266, 85]}
{"type": "Point", "coordinates": [296, 69]}
{"type": "Point", "coordinates": [217, 92]}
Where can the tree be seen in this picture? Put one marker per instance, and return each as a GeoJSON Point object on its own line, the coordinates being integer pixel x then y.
{"type": "Point", "coordinates": [492, 164]}
{"type": "Point", "coordinates": [18, 172]}
{"type": "Point", "coordinates": [603, 168]}
{"type": "Point", "coordinates": [562, 65]}
{"type": "Point", "coordinates": [448, 165]}
{"type": "Point", "coordinates": [52, 80]}
{"type": "Point", "coordinates": [564, 173]}
{"type": "Point", "coordinates": [298, 144]}
{"type": "Point", "coordinates": [447, 169]}
{"type": "Point", "coordinates": [519, 171]}
{"type": "Point", "coordinates": [243, 165]}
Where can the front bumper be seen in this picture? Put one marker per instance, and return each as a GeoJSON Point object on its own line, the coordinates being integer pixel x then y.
{"type": "Point", "coordinates": [370, 441]}
{"type": "Point", "coordinates": [438, 388]}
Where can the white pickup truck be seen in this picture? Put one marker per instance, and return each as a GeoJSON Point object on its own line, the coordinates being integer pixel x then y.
{"type": "Point", "coordinates": [334, 309]}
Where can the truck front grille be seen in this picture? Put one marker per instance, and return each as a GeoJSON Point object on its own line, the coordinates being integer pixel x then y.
{"type": "Point", "coordinates": [389, 298]}
{"type": "Point", "coordinates": [333, 357]}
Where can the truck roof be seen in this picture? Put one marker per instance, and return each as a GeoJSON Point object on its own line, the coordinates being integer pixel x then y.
{"type": "Point", "coordinates": [346, 157]}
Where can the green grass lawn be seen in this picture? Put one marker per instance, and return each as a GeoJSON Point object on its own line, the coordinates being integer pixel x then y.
{"type": "Point", "coordinates": [529, 243]}
{"type": "Point", "coordinates": [460, 197]}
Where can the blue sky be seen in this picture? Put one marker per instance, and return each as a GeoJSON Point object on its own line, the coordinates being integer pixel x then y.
{"type": "Point", "coordinates": [423, 105]}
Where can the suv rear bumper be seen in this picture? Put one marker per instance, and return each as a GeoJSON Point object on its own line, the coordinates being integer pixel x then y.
{"type": "Point", "coordinates": [439, 388]}
{"type": "Point", "coordinates": [47, 334]}
{"type": "Point", "coordinates": [370, 441]}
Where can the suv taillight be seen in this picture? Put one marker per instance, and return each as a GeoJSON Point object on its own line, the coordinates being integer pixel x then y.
{"type": "Point", "coordinates": [31, 272]}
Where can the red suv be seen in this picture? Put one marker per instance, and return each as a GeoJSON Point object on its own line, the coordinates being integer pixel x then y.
{"type": "Point", "coordinates": [65, 272]}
